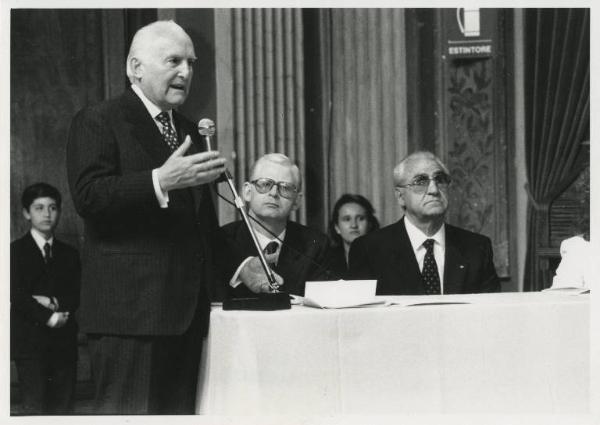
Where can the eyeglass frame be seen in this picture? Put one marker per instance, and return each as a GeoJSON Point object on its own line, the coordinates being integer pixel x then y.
{"type": "Point", "coordinates": [279, 186]}
{"type": "Point", "coordinates": [422, 187]}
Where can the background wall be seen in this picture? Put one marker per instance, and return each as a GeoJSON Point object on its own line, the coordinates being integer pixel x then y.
{"type": "Point", "coordinates": [56, 61]}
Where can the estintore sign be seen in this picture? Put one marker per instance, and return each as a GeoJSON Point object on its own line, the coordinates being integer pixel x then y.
{"type": "Point", "coordinates": [469, 32]}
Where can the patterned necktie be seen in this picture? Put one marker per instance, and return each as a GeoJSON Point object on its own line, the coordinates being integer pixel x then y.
{"type": "Point", "coordinates": [431, 278]}
{"type": "Point", "coordinates": [271, 248]}
{"type": "Point", "coordinates": [47, 252]}
{"type": "Point", "coordinates": [168, 133]}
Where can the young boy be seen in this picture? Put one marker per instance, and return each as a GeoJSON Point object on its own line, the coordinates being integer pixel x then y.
{"type": "Point", "coordinates": [44, 294]}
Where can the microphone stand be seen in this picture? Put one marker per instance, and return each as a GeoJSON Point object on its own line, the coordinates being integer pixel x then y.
{"type": "Point", "coordinates": [239, 204]}
{"type": "Point", "coordinates": [263, 301]}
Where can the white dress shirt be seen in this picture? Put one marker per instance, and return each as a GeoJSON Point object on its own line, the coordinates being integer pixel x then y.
{"type": "Point", "coordinates": [40, 241]}
{"type": "Point", "coordinates": [576, 264]}
{"type": "Point", "coordinates": [161, 196]}
{"type": "Point", "coordinates": [417, 237]}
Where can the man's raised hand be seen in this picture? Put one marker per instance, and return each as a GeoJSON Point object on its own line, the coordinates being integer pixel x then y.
{"type": "Point", "coordinates": [180, 171]}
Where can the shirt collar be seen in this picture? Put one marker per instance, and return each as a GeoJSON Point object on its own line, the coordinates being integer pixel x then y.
{"type": "Point", "coordinates": [40, 240]}
{"type": "Point", "coordinates": [417, 237]}
{"type": "Point", "coordinates": [264, 240]}
{"type": "Point", "coordinates": [152, 109]}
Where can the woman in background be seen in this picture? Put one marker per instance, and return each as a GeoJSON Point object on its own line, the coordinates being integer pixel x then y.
{"type": "Point", "coordinates": [353, 216]}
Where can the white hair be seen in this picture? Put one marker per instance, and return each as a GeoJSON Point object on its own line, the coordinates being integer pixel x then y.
{"type": "Point", "coordinates": [281, 159]}
{"type": "Point", "coordinates": [400, 169]}
{"type": "Point", "coordinates": [145, 37]}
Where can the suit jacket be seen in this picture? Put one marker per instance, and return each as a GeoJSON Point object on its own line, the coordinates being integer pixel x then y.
{"type": "Point", "coordinates": [337, 263]}
{"type": "Point", "coordinates": [303, 257]}
{"type": "Point", "coordinates": [388, 256]}
{"type": "Point", "coordinates": [30, 275]}
{"type": "Point", "coordinates": [144, 268]}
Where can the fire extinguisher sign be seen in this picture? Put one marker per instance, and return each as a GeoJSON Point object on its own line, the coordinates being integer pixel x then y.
{"type": "Point", "coordinates": [469, 32]}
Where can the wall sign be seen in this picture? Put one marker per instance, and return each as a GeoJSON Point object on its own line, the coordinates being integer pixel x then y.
{"type": "Point", "coordinates": [469, 32]}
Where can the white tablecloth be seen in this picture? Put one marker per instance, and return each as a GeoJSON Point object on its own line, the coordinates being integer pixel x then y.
{"type": "Point", "coordinates": [501, 353]}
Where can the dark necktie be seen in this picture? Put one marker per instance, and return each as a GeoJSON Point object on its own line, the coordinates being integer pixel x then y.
{"type": "Point", "coordinates": [47, 252]}
{"type": "Point", "coordinates": [168, 133]}
{"type": "Point", "coordinates": [271, 248]}
{"type": "Point", "coordinates": [431, 278]}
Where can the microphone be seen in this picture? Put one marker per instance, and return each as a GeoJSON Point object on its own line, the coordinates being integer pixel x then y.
{"type": "Point", "coordinates": [206, 128]}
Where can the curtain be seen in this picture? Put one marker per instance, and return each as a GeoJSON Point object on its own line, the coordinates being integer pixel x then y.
{"type": "Point", "coordinates": [260, 86]}
{"type": "Point", "coordinates": [557, 72]}
{"type": "Point", "coordinates": [367, 122]}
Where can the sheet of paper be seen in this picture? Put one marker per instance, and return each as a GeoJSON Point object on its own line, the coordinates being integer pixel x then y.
{"type": "Point", "coordinates": [417, 300]}
{"type": "Point", "coordinates": [341, 294]}
{"type": "Point", "coordinates": [567, 290]}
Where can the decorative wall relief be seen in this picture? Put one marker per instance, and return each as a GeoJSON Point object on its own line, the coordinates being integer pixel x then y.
{"type": "Point", "coordinates": [476, 154]}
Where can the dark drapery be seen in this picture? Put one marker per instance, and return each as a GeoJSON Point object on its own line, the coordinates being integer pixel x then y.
{"type": "Point", "coordinates": [557, 73]}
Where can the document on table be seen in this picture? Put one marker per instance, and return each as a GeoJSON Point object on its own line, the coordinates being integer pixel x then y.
{"type": "Point", "coordinates": [417, 300]}
{"type": "Point", "coordinates": [341, 294]}
{"type": "Point", "coordinates": [567, 290]}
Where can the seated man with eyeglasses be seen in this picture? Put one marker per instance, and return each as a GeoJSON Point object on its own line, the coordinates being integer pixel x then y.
{"type": "Point", "coordinates": [296, 253]}
{"type": "Point", "coordinates": [421, 254]}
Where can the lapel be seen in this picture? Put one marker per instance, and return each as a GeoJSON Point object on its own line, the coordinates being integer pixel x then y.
{"type": "Point", "coordinates": [182, 133]}
{"type": "Point", "coordinates": [405, 259]}
{"type": "Point", "coordinates": [196, 191]}
{"type": "Point", "coordinates": [290, 260]}
{"type": "Point", "coordinates": [34, 252]}
{"type": "Point", "coordinates": [455, 266]}
{"type": "Point", "coordinates": [143, 128]}
{"type": "Point", "coordinates": [245, 240]}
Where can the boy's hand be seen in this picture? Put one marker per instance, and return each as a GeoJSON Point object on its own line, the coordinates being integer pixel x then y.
{"type": "Point", "coordinates": [45, 302]}
{"type": "Point", "coordinates": [58, 319]}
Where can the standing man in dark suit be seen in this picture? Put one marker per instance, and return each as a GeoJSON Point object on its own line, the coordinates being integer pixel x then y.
{"type": "Point", "coordinates": [295, 252]}
{"type": "Point", "coordinates": [139, 181]}
{"type": "Point", "coordinates": [420, 254]}
{"type": "Point", "coordinates": [44, 295]}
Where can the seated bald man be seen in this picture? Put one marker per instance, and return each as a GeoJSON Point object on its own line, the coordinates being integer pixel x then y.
{"type": "Point", "coordinates": [296, 253]}
{"type": "Point", "coordinates": [421, 254]}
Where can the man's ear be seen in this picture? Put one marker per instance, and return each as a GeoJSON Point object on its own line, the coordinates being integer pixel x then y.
{"type": "Point", "coordinates": [136, 67]}
{"type": "Point", "coordinates": [26, 214]}
{"type": "Point", "coordinates": [399, 192]}
{"type": "Point", "coordinates": [246, 191]}
{"type": "Point", "coordinates": [337, 229]}
{"type": "Point", "coordinates": [297, 201]}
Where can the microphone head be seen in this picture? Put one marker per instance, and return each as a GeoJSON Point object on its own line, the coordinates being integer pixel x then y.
{"type": "Point", "coordinates": [206, 127]}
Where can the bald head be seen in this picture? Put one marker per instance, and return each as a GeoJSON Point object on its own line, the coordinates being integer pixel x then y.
{"type": "Point", "coordinates": [160, 63]}
{"type": "Point", "coordinates": [146, 37]}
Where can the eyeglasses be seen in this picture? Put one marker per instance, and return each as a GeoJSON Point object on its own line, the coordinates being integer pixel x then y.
{"type": "Point", "coordinates": [420, 183]}
{"type": "Point", "coordinates": [287, 190]}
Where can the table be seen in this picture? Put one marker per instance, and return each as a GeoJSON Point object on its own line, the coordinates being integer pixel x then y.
{"type": "Point", "coordinates": [501, 353]}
